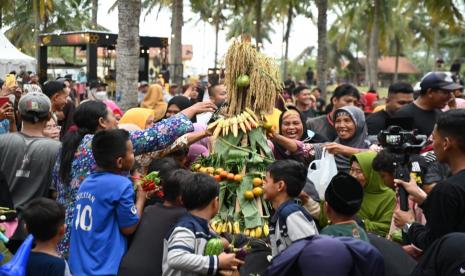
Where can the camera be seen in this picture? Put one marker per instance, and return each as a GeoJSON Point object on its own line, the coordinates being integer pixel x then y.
{"type": "Point", "coordinates": [398, 140]}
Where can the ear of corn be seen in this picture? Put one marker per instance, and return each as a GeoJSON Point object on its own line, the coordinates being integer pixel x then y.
{"type": "Point", "coordinates": [258, 232]}
{"type": "Point", "coordinates": [266, 230]}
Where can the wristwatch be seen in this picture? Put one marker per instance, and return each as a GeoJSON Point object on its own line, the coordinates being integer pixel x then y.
{"type": "Point", "coordinates": [407, 227]}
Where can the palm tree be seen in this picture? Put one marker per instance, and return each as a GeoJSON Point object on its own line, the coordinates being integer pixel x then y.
{"type": "Point", "coordinates": [127, 52]}
{"type": "Point", "coordinates": [6, 8]}
{"type": "Point", "coordinates": [322, 45]}
{"type": "Point", "coordinates": [94, 13]}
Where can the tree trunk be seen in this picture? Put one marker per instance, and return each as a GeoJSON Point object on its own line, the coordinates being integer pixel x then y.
{"type": "Point", "coordinates": [286, 37]}
{"type": "Point", "coordinates": [176, 42]}
{"type": "Point", "coordinates": [367, 58]}
{"type": "Point", "coordinates": [35, 8]}
{"type": "Point", "coordinates": [436, 53]}
{"type": "Point", "coordinates": [217, 30]}
{"type": "Point", "coordinates": [258, 26]}
{"type": "Point", "coordinates": [127, 52]}
{"type": "Point", "coordinates": [1, 17]}
{"type": "Point", "coordinates": [94, 13]}
{"type": "Point", "coordinates": [374, 46]}
{"type": "Point", "coordinates": [396, 72]}
{"type": "Point", "coordinates": [322, 46]}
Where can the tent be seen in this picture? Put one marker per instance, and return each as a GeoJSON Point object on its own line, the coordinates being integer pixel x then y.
{"type": "Point", "coordinates": [12, 59]}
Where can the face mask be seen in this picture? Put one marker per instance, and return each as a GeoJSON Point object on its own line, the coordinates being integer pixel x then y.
{"type": "Point", "coordinates": [101, 95]}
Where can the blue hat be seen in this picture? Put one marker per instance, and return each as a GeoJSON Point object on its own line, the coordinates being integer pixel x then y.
{"type": "Point", "coordinates": [438, 80]}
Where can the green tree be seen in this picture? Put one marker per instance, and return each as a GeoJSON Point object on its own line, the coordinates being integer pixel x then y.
{"type": "Point", "coordinates": [6, 8]}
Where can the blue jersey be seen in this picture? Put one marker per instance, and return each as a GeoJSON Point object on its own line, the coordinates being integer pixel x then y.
{"type": "Point", "coordinates": [104, 205]}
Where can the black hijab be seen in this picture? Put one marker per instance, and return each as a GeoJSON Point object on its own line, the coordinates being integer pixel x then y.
{"type": "Point", "coordinates": [180, 101]}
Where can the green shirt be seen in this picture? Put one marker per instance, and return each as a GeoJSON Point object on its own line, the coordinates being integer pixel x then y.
{"type": "Point", "coordinates": [346, 230]}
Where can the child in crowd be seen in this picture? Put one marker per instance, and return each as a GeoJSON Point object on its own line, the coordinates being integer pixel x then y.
{"type": "Point", "coordinates": [343, 199]}
{"type": "Point", "coordinates": [145, 255]}
{"type": "Point", "coordinates": [45, 220]}
{"type": "Point", "coordinates": [184, 245]}
{"type": "Point", "coordinates": [283, 183]}
{"type": "Point", "coordinates": [105, 209]}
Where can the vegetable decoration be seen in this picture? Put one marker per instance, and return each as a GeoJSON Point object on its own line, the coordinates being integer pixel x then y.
{"type": "Point", "coordinates": [240, 153]}
{"type": "Point", "coordinates": [151, 183]}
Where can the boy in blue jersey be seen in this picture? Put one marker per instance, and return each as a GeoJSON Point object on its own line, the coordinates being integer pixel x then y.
{"type": "Point", "coordinates": [105, 209]}
{"type": "Point", "coordinates": [184, 245]}
{"type": "Point", "coordinates": [283, 183]}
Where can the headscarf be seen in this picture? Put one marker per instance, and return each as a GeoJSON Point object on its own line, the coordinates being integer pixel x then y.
{"type": "Point", "coordinates": [137, 116]}
{"type": "Point", "coordinates": [379, 201]}
{"type": "Point", "coordinates": [154, 100]}
{"type": "Point", "coordinates": [180, 101]}
{"type": "Point", "coordinates": [114, 107]}
{"type": "Point", "coordinates": [360, 138]}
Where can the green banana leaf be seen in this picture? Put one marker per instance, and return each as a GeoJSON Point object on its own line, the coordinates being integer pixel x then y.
{"type": "Point", "coordinates": [249, 208]}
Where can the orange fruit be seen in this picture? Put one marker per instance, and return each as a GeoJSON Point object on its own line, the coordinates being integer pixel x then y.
{"type": "Point", "coordinates": [224, 174]}
{"type": "Point", "coordinates": [238, 178]}
{"type": "Point", "coordinates": [257, 191]}
{"type": "Point", "coordinates": [217, 178]}
{"type": "Point", "coordinates": [203, 170]}
{"type": "Point", "coordinates": [248, 195]}
{"type": "Point", "coordinates": [219, 170]}
{"type": "Point", "coordinates": [230, 176]}
{"type": "Point", "coordinates": [257, 181]}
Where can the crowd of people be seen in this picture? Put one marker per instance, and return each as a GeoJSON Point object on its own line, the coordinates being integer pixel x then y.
{"type": "Point", "coordinates": [69, 162]}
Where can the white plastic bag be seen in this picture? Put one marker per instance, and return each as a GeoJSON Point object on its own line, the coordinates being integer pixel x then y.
{"type": "Point", "coordinates": [320, 172]}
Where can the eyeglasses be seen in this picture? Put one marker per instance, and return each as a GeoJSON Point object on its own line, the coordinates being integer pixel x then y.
{"type": "Point", "coordinates": [50, 127]}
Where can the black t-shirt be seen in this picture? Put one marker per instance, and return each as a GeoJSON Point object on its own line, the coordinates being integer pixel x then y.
{"type": "Point", "coordinates": [323, 126]}
{"type": "Point", "coordinates": [42, 264]}
{"type": "Point", "coordinates": [145, 255]}
{"type": "Point", "coordinates": [444, 209]}
{"type": "Point", "coordinates": [423, 120]}
{"type": "Point", "coordinates": [377, 122]}
{"type": "Point", "coordinates": [310, 113]}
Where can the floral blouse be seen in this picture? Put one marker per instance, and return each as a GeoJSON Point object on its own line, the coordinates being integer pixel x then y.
{"type": "Point", "coordinates": [157, 137]}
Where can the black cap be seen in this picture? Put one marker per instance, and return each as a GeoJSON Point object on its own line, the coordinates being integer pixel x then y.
{"type": "Point", "coordinates": [96, 84]}
{"type": "Point", "coordinates": [438, 80]}
{"type": "Point", "coordinates": [53, 87]}
{"type": "Point", "coordinates": [344, 194]}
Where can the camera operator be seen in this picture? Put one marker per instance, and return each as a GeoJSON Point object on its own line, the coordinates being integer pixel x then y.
{"type": "Point", "coordinates": [444, 207]}
{"type": "Point", "coordinates": [426, 175]}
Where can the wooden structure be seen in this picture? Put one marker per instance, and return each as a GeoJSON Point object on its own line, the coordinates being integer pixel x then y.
{"type": "Point", "coordinates": [91, 41]}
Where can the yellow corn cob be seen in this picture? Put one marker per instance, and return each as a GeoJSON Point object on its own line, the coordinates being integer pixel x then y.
{"type": "Point", "coordinates": [237, 227]}
{"type": "Point", "coordinates": [217, 131]}
{"type": "Point", "coordinates": [249, 118]}
{"type": "Point", "coordinates": [252, 233]}
{"type": "Point", "coordinates": [248, 110]}
{"type": "Point", "coordinates": [258, 232]}
{"type": "Point", "coordinates": [247, 232]}
{"type": "Point", "coordinates": [212, 125]}
{"type": "Point", "coordinates": [234, 127]}
{"type": "Point", "coordinates": [230, 228]}
{"type": "Point", "coordinates": [246, 122]}
{"type": "Point", "coordinates": [226, 126]}
{"type": "Point", "coordinates": [225, 227]}
{"type": "Point", "coordinates": [219, 227]}
{"type": "Point", "coordinates": [240, 121]}
{"type": "Point", "coordinates": [266, 230]}
{"type": "Point", "coordinates": [214, 224]}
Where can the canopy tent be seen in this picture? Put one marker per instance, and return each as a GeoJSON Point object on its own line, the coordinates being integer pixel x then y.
{"type": "Point", "coordinates": [12, 59]}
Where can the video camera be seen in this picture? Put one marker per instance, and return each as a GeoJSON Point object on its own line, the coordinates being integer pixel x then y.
{"type": "Point", "coordinates": [402, 144]}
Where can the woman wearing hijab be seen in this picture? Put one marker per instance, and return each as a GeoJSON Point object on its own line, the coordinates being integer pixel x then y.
{"type": "Point", "coordinates": [154, 100]}
{"type": "Point", "coordinates": [379, 201]}
{"type": "Point", "coordinates": [349, 122]}
{"type": "Point", "coordinates": [293, 140]}
{"type": "Point", "coordinates": [142, 117]}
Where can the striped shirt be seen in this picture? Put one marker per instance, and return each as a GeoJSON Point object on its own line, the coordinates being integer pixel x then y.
{"type": "Point", "coordinates": [184, 247]}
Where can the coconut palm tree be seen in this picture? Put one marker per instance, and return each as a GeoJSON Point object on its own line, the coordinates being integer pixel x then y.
{"type": "Point", "coordinates": [127, 52]}
{"type": "Point", "coordinates": [322, 58]}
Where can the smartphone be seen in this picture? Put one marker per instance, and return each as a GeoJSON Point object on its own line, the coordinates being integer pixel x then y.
{"type": "Point", "coordinates": [10, 80]}
{"type": "Point", "coordinates": [4, 100]}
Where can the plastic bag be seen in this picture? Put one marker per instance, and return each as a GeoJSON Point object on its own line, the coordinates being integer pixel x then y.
{"type": "Point", "coordinates": [320, 172]}
{"type": "Point", "coordinates": [17, 265]}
